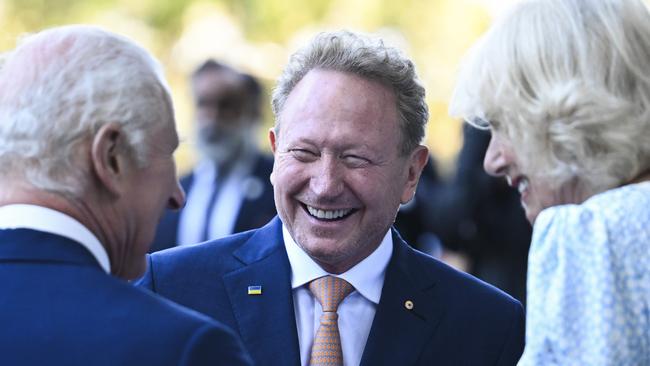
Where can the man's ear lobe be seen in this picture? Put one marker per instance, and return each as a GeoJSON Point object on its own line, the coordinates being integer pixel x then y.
{"type": "Point", "coordinates": [107, 157]}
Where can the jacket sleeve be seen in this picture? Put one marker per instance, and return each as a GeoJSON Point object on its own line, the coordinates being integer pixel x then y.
{"type": "Point", "coordinates": [514, 343]}
{"type": "Point", "coordinates": [213, 344]}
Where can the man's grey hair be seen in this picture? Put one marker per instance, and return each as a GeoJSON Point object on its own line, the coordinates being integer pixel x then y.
{"type": "Point", "coordinates": [59, 87]}
{"type": "Point", "coordinates": [369, 58]}
{"type": "Point", "coordinates": [568, 81]}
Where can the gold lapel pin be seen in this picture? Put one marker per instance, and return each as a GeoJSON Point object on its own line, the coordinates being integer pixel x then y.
{"type": "Point", "coordinates": [408, 304]}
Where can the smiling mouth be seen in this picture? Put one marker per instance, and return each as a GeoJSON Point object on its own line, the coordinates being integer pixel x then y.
{"type": "Point", "coordinates": [328, 215]}
{"type": "Point", "coordinates": [519, 183]}
{"type": "Point", "coordinates": [522, 185]}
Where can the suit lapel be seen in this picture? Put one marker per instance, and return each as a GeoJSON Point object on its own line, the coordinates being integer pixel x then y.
{"type": "Point", "coordinates": [266, 321]}
{"type": "Point", "coordinates": [399, 334]}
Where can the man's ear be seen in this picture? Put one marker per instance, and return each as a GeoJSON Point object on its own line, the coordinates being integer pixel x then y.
{"type": "Point", "coordinates": [416, 162]}
{"type": "Point", "coordinates": [272, 139]}
{"type": "Point", "coordinates": [107, 156]}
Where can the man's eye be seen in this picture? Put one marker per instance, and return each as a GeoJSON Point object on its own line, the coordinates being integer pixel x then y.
{"type": "Point", "coordinates": [355, 161]}
{"type": "Point", "coordinates": [303, 154]}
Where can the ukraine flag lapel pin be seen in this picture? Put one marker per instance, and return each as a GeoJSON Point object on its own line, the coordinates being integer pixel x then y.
{"type": "Point", "coordinates": [255, 290]}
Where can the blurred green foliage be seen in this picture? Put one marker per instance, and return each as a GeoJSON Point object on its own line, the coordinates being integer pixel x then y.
{"type": "Point", "coordinates": [258, 36]}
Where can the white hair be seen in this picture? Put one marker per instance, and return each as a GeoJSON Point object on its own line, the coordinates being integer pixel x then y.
{"type": "Point", "coordinates": [369, 58]}
{"type": "Point", "coordinates": [568, 81]}
{"type": "Point", "coordinates": [59, 87]}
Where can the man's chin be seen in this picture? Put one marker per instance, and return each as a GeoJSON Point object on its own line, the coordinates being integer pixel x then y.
{"type": "Point", "coordinates": [326, 251]}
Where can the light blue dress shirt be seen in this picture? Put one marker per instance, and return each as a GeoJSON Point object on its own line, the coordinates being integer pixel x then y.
{"type": "Point", "coordinates": [226, 208]}
{"type": "Point", "coordinates": [589, 282]}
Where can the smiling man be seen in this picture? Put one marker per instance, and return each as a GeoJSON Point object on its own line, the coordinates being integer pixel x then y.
{"type": "Point", "coordinates": [228, 191]}
{"type": "Point", "coordinates": [330, 282]}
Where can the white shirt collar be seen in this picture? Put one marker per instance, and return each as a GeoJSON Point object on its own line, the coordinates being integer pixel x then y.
{"type": "Point", "coordinates": [23, 216]}
{"type": "Point", "coordinates": [367, 276]}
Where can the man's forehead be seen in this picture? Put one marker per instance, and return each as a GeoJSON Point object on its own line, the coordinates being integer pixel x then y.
{"type": "Point", "coordinates": [327, 81]}
{"type": "Point", "coordinates": [331, 108]}
{"type": "Point", "coordinates": [164, 136]}
{"type": "Point", "coordinates": [348, 94]}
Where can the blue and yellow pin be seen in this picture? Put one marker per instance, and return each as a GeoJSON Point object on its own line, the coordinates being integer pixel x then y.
{"type": "Point", "coordinates": [254, 290]}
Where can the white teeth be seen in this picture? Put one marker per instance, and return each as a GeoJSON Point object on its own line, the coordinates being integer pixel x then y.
{"type": "Point", "coordinates": [523, 185]}
{"type": "Point", "coordinates": [327, 214]}
{"type": "Point", "coordinates": [509, 180]}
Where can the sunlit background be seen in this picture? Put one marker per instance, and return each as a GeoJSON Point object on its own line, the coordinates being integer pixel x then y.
{"type": "Point", "coordinates": [257, 36]}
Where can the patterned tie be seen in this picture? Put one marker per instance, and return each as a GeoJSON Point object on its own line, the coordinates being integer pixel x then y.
{"type": "Point", "coordinates": [329, 291]}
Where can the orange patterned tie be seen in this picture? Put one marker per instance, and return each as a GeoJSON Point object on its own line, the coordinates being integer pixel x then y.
{"type": "Point", "coordinates": [329, 291]}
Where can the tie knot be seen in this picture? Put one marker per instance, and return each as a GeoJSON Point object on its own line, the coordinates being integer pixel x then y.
{"type": "Point", "coordinates": [330, 291]}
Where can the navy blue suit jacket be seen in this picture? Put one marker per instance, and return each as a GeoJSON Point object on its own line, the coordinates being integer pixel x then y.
{"type": "Point", "coordinates": [253, 213]}
{"type": "Point", "coordinates": [58, 307]}
{"type": "Point", "coordinates": [456, 319]}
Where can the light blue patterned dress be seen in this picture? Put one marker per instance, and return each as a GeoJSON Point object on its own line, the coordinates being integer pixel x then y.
{"type": "Point", "coordinates": [589, 282]}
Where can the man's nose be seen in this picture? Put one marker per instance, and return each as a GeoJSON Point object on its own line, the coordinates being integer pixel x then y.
{"type": "Point", "coordinates": [177, 199]}
{"type": "Point", "coordinates": [207, 115]}
{"type": "Point", "coordinates": [495, 162]}
{"type": "Point", "coordinates": [327, 178]}
{"type": "Point", "coordinates": [212, 111]}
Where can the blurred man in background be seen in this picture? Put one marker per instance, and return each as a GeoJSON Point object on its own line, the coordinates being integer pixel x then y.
{"type": "Point", "coordinates": [492, 228]}
{"type": "Point", "coordinates": [87, 138]}
{"type": "Point", "coordinates": [413, 218]}
{"type": "Point", "coordinates": [229, 190]}
{"type": "Point", "coordinates": [480, 217]}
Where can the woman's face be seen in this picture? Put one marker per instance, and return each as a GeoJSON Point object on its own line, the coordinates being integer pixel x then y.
{"type": "Point", "coordinates": [537, 193]}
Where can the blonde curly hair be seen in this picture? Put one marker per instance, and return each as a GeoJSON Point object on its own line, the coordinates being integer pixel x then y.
{"type": "Point", "coordinates": [568, 83]}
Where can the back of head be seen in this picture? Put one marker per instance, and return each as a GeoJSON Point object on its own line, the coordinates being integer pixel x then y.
{"type": "Point", "coordinates": [568, 82]}
{"type": "Point", "coordinates": [366, 57]}
{"type": "Point", "coordinates": [58, 87]}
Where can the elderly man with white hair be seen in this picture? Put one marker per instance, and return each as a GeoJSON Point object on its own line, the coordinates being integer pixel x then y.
{"type": "Point", "coordinates": [330, 281]}
{"type": "Point", "coordinates": [86, 148]}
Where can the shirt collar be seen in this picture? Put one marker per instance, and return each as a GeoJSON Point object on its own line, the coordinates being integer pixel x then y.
{"type": "Point", "coordinates": [367, 276]}
{"type": "Point", "coordinates": [23, 216]}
